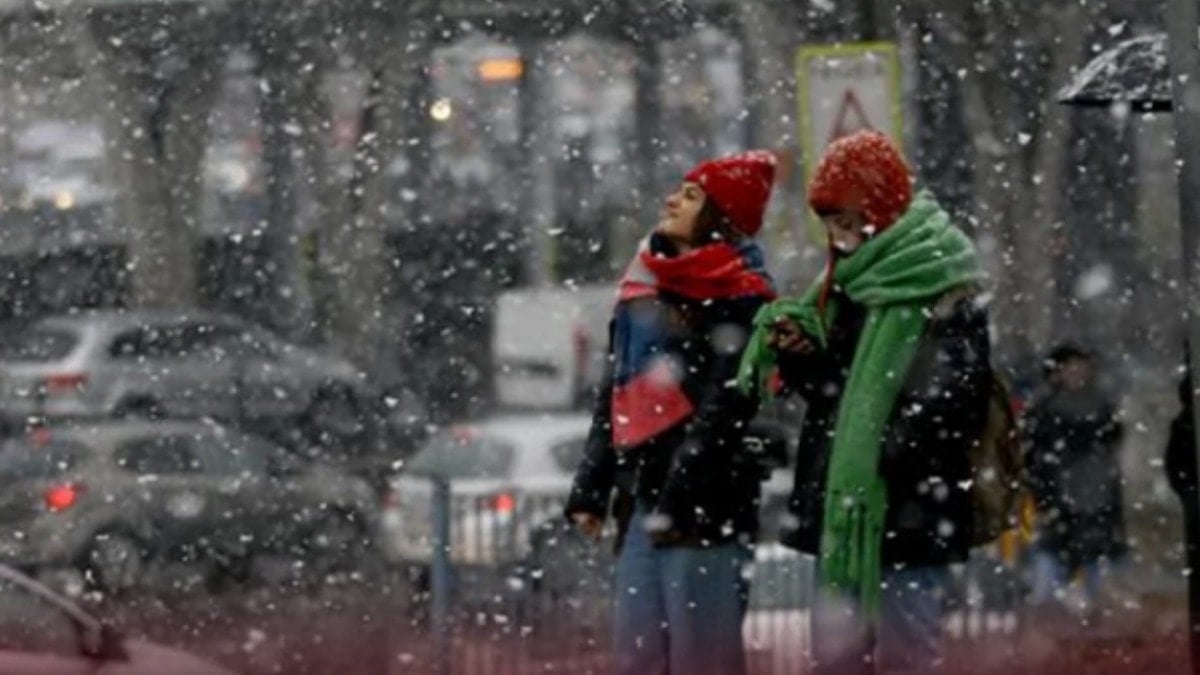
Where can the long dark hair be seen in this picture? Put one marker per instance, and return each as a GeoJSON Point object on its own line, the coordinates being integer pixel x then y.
{"type": "Point", "coordinates": [712, 225]}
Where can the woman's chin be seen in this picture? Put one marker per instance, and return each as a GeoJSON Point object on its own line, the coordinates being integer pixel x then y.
{"type": "Point", "coordinates": [667, 230]}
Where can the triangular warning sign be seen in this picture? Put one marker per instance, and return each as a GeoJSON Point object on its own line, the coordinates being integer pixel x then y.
{"type": "Point", "coordinates": [850, 117]}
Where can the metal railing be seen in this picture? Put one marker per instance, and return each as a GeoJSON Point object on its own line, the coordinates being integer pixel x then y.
{"type": "Point", "coordinates": [509, 587]}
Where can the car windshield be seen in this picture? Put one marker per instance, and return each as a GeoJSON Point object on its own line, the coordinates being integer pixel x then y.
{"type": "Point", "coordinates": [22, 460]}
{"type": "Point", "coordinates": [38, 344]}
{"type": "Point", "coordinates": [456, 455]}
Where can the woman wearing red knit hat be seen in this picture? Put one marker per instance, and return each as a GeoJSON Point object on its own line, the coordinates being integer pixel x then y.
{"type": "Point", "coordinates": [665, 453]}
{"type": "Point", "coordinates": [891, 352]}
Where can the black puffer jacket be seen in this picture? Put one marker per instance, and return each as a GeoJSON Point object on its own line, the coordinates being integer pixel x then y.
{"type": "Point", "coordinates": [696, 473]}
{"type": "Point", "coordinates": [1075, 474]}
{"type": "Point", "coordinates": [1180, 457]}
{"type": "Point", "coordinates": [940, 411]}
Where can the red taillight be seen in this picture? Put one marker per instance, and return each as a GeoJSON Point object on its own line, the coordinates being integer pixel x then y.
{"type": "Point", "coordinates": [65, 383]}
{"type": "Point", "coordinates": [391, 499]}
{"type": "Point", "coordinates": [40, 437]}
{"type": "Point", "coordinates": [63, 497]}
{"type": "Point", "coordinates": [504, 503]}
{"type": "Point", "coordinates": [463, 435]}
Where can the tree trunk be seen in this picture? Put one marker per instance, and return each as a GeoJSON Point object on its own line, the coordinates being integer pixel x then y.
{"type": "Point", "coordinates": [286, 294]}
{"type": "Point", "coordinates": [158, 120]}
{"type": "Point", "coordinates": [393, 127]}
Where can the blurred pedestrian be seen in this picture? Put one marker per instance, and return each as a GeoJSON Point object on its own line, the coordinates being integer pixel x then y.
{"type": "Point", "coordinates": [1182, 475]}
{"type": "Point", "coordinates": [890, 350]}
{"type": "Point", "coordinates": [1075, 477]}
{"type": "Point", "coordinates": [668, 427]}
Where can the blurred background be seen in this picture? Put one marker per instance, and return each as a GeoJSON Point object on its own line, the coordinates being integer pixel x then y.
{"type": "Point", "coordinates": [407, 213]}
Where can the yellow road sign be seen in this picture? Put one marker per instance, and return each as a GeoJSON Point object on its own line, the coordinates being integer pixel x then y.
{"type": "Point", "coordinates": [842, 89]}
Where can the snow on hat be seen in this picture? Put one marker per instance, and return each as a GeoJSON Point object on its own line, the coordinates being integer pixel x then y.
{"type": "Point", "coordinates": [864, 172]}
{"type": "Point", "coordinates": [740, 185]}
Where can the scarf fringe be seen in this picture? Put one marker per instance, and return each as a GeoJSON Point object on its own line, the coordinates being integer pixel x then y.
{"type": "Point", "coordinates": [857, 529]}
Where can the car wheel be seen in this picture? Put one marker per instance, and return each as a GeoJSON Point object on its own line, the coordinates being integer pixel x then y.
{"type": "Point", "coordinates": [334, 417]}
{"type": "Point", "coordinates": [114, 562]}
{"type": "Point", "coordinates": [277, 571]}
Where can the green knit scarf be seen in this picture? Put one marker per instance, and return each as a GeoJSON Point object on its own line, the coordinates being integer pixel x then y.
{"type": "Point", "coordinates": [897, 276]}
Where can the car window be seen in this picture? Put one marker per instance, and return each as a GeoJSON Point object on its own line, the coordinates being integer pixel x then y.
{"type": "Point", "coordinates": [457, 455]}
{"type": "Point", "coordinates": [38, 344]}
{"type": "Point", "coordinates": [162, 455]}
{"type": "Point", "coordinates": [233, 454]}
{"type": "Point", "coordinates": [568, 454]}
{"type": "Point", "coordinates": [154, 342]}
{"type": "Point", "coordinates": [30, 624]}
{"type": "Point", "coordinates": [22, 460]}
{"type": "Point", "coordinates": [236, 341]}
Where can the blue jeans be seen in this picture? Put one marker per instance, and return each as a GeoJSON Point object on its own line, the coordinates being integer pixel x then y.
{"type": "Point", "coordinates": [906, 637]}
{"type": "Point", "coordinates": [679, 610]}
{"type": "Point", "coordinates": [1051, 576]}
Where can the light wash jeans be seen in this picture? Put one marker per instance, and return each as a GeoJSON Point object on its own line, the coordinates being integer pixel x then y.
{"type": "Point", "coordinates": [1051, 576]}
{"type": "Point", "coordinates": [906, 637]}
{"type": "Point", "coordinates": [679, 610]}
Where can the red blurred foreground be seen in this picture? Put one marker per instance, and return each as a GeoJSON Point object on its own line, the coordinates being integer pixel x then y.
{"type": "Point", "coordinates": [350, 632]}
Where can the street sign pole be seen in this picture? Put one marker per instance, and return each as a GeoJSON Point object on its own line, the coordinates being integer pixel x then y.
{"type": "Point", "coordinates": [440, 580]}
{"type": "Point", "coordinates": [1183, 19]}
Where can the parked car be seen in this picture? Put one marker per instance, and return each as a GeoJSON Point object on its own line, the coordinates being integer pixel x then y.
{"type": "Point", "coordinates": [112, 504]}
{"type": "Point", "coordinates": [505, 474]}
{"type": "Point", "coordinates": [183, 364]}
{"type": "Point", "coordinates": [43, 632]}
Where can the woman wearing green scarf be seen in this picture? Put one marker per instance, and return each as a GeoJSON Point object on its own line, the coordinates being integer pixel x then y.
{"type": "Point", "coordinates": [890, 349]}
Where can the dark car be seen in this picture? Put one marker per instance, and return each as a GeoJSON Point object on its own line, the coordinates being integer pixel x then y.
{"type": "Point", "coordinates": [118, 502]}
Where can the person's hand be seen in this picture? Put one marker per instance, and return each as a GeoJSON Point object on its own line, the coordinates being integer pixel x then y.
{"type": "Point", "coordinates": [786, 336]}
{"type": "Point", "coordinates": [588, 524]}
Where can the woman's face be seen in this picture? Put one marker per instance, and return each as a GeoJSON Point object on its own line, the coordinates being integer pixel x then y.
{"type": "Point", "coordinates": [1075, 374]}
{"type": "Point", "coordinates": [846, 230]}
{"type": "Point", "coordinates": [677, 221]}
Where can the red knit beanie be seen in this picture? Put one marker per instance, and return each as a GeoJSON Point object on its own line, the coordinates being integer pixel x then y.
{"type": "Point", "coordinates": [865, 172]}
{"type": "Point", "coordinates": [740, 185]}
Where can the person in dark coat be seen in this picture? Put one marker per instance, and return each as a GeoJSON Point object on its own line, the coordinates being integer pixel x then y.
{"type": "Point", "coordinates": [665, 455]}
{"type": "Point", "coordinates": [1182, 475]}
{"type": "Point", "coordinates": [1074, 473]}
{"type": "Point", "coordinates": [1180, 456]}
{"type": "Point", "coordinates": [890, 347]}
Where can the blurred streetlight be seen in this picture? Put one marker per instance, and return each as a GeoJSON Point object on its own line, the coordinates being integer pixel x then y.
{"type": "Point", "coordinates": [441, 110]}
{"type": "Point", "coordinates": [64, 201]}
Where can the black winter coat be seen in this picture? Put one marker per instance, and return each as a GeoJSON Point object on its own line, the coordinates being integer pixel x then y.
{"type": "Point", "coordinates": [1075, 475]}
{"type": "Point", "coordinates": [1180, 456]}
{"type": "Point", "coordinates": [697, 473]}
{"type": "Point", "coordinates": [938, 414]}
{"type": "Point", "coordinates": [1182, 473]}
